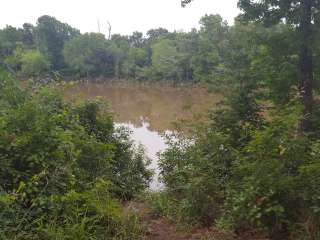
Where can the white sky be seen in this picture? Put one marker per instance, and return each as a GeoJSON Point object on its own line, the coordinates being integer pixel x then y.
{"type": "Point", "coordinates": [125, 16]}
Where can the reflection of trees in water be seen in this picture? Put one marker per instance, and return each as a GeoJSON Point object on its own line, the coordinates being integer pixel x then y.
{"type": "Point", "coordinates": [137, 123]}
{"type": "Point", "coordinates": [158, 105]}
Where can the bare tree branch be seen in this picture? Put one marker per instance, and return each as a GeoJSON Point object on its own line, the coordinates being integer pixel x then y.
{"type": "Point", "coordinates": [109, 30]}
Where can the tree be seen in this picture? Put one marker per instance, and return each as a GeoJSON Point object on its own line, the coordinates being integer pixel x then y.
{"type": "Point", "coordinates": [187, 45]}
{"type": "Point", "coordinates": [51, 36]}
{"type": "Point", "coordinates": [136, 39]}
{"type": "Point", "coordinates": [10, 37]}
{"type": "Point", "coordinates": [88, 56]}
{"type": "Point", "coordinates": [28, 34]}
{"type": "Point", "coordinates": [164, 59]}
{"type": "Point", "coordinates": [119, 48]}
{"type": "Point", "coordinates": [136, 60]}
{"type": "Point", "coordinates": [154, 34]}
{"type": "Point", "coordinates": [34, 64]}
{"type": "Point", "coordinates": [304, 16]}
{"type": "Point", "coordinates": [300, 14]}
{"type": "Point", "coordinates": [207, 63]}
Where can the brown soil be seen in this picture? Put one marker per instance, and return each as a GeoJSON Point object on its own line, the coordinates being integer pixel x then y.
{"type": "Point", "coordinates": [160, 228]}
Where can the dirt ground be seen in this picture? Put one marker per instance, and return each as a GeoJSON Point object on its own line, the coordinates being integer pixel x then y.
{"type": "Point", "coordinates": [160, 228]}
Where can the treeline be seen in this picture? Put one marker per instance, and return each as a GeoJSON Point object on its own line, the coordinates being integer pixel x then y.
{"type": "Point", "coordinates": [215, 54]}
{"type": "Point", "coordinates": [52, 46]}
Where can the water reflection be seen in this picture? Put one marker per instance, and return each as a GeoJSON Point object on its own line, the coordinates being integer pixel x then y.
{"type": "Point", "coordinates": [149, 111]}
{"type": "Point", "coordinates": [157, 105]}
{"type": "Point", "coordinates": [153, 143]}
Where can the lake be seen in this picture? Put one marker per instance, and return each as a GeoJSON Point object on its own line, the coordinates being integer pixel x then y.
{"type": "Point", "coordinates": [149, 111]}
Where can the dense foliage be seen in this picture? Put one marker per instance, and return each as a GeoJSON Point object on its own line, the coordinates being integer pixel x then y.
{"type": "Point", "coordinates": [244, 173]}
{"type": "Point", "coordinates": [253, 167]}
{"type": "Point", "coordinates": [217, 54]}
{"type": "Point", "coordinates": [65, 168]}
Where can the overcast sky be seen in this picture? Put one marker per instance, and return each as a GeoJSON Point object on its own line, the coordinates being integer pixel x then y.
{"type": "Point", "coordinates": [125, 16]}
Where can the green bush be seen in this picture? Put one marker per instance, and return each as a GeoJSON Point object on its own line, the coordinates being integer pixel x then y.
{"type": "Point", "coordinates": [246, 175]}
{"type": "Point", "coordinates": [197, 175]}
{"type": "Point", "coordinates": [65, 168]}
{"type": "Point", "coordinates": [34, 64]}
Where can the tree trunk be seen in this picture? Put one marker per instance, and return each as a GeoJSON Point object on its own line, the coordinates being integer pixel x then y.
{"type": "Point", "coordinates": [306, 66]}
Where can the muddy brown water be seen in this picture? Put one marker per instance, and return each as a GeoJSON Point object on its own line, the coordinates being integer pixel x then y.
{"type": "Point", "coordinates": [149, 111]}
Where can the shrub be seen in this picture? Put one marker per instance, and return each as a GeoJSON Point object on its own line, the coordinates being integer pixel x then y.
{"type": "Point", "coordinates": [34, 64]}
{"type": "Point", "coordinates": [64, 168]}
{"type": "Point", "coordinates": [246, 175]}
